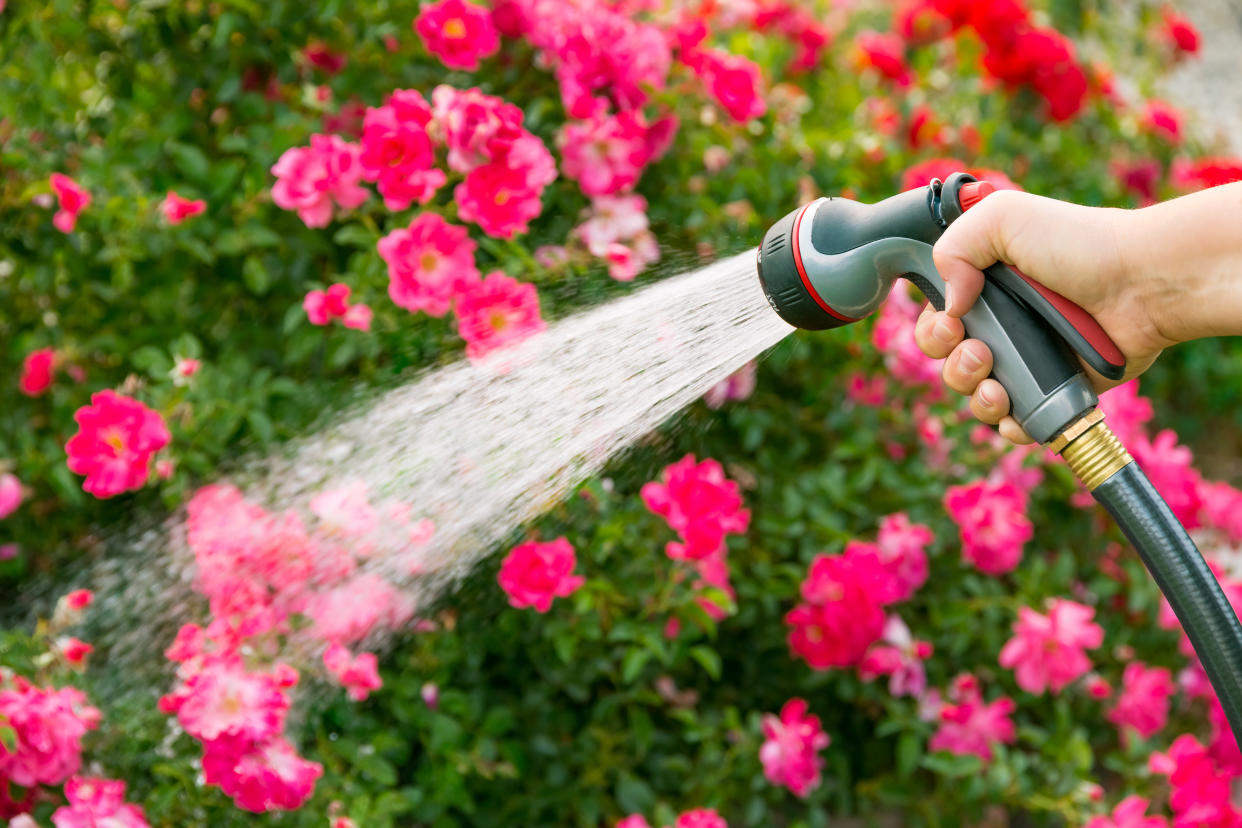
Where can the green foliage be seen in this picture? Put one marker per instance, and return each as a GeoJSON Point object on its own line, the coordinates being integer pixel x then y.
{"type": "Point", "coordinates": [589, 712]}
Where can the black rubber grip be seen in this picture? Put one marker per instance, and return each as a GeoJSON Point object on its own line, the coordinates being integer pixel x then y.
{"type": "Point", "coordinates": [1185, 579]}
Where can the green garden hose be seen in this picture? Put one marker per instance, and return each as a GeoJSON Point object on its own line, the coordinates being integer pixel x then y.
{"type": "Point", "coordinates": [1121, 487]}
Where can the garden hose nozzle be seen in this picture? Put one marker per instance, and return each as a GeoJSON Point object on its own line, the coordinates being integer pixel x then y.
{"type": "Point", "coordinates": [834, 261]}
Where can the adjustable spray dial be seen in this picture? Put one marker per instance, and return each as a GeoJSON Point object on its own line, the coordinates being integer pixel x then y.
{"type": "Point", "coordinates": [833, 262]}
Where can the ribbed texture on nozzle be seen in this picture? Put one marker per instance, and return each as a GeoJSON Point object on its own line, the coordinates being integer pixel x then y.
{"type": "Point", "coordinates": [1096, 456]}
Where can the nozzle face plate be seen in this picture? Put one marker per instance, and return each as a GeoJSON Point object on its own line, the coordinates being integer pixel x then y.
{"type": "Point", "coordinates": [783, 281]}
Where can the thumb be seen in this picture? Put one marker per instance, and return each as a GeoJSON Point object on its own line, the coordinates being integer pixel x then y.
{"type": "Point", "coordinates": [973, 242]}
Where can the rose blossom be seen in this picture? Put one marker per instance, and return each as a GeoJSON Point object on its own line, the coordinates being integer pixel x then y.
{"type": "Point", "coordinates": [73, 199]}
{"type": "Point", "coordinates": [116, 439]}
{"type": "Point", "coordinates": [700, 503]}
{"type": "Point", "coordinates": [790, 751]}
{"type": "Point", "coordinates": [496, 312]}
{"type": "Point", "coordinates": [1144, 701]}
{"type": "Point", "coordinates": [991, 518]}
{"type": "Point", "coordinates": [1049, 651]}
{"type": "Point", "coordinates": [177, 209]}
{"type": "Point", "coordinates": [37, 372]}
{"type": "Point", "coordinates": [10, 495]}
{"type": "Point", "coordinates": [457, 32]}
{"type": "Point", "coordinates": [97, 803]}
{"type": "Point", "coordinates": [311, 179]}
{"type": "Point", "coordinates": [429, 263]}
{"type": "Point", "coordinates": [533, 574]}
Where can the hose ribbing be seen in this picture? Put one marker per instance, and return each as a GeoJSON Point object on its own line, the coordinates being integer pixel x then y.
{"type": "Point", "coordinates": [1185, 579]}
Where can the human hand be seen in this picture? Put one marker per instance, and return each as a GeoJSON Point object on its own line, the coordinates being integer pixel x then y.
{"type": "Point", "coordinates": [1080, 252]}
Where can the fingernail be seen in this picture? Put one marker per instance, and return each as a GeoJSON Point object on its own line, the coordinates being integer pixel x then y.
{"type": "Point", "coordinates": [985, 397]}
{"type": "Point", "coordinates": [942, 331]}
{"type": "Point", "coordinates": [948, 296]}
{"type": "Point", "coordinates": [969, 362]}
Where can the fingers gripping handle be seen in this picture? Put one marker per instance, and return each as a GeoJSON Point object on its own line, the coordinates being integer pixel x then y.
{"type": "Point", "coordinates": [1071, 322]}
{"type": "Point", "coordinates": [1047, 389]}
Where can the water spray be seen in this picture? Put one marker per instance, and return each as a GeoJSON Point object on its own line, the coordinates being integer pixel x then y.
{"type": "Point", "coordinates": [834, 261]}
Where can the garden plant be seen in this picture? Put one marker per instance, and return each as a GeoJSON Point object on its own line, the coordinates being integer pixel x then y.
{"type": "Point", "coordinates": [822, 593]}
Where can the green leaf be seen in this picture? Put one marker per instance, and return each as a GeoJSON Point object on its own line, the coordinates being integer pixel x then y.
{"type": "Point", "coordinates": [255, 275]}
{"type": "Point", "coordinates": [634, 795]}
{"type": "Point", "coordinates": [909, 746]}
{"type": "Point", "coordinates": [378, 768]}
{"type": "Point", "coordinates": [355, 235]}
{"type": "Point", "coordinates": [261, 425]}
{"type": "Point", "coordinates": [633, 664]}
{"type": "Point", "coordinates": [952, 765]}
{"type": "Point", "coordinates": [190, 161]}
{"type": "Point", "coordinates": [8, 738]}
{"type": "Point", "coordinates": [708, 658]}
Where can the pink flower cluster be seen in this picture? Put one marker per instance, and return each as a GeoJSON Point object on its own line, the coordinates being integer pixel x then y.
{"type": "Point", "coordinates": [704, 507]}
{"type": "Point", "coordinates": [430, 264]}
{"type": "Point", "coordinates": [497, 312]}
{"type": "Point", "coordinates": [1200, 794]}
{"type": "Point", "coordinates": [116, 439]}
{"type": "Point", "coordinates": [734, 82]}
{"type": "Point", "coordinates": [177, 209]}
{"type": "Point", "coordinates": [697, 818]}
{"type": "Point", "coordinates": [397, 151]}
{"type": "Point", "coordinates": [97, 803]}
{"type": "Point", "coordinates": [602, 57]}
{"type": "Point", "coordinates": [431, 268]}
{"type": "Point", "coordinates": [842, 619]}
{"type": "Point", "coordinates": [791, 746]}
{"type": "Point", "coordinates": [885, 53]}
{"type": "Point", "coordinates": [47, 727]}
{"type": "Point", "coordinates": [1143, 705]}
{"type": "Point", "coordinates": [73, 199]}
{"type": "Point", "coordinates": [506, 167]}
{"type": "Point", "coordinates": [312, 180]}
{"type": "Point", "coordinates": [843, 607]}
{"type": "Point", "coordinates": [323, 306]}
{"type": "Point", "coordinates": [616, 230]}
{"type": "Point", "coordinates": [607, 153]}
{"type": "Point", "coordinates": [798, 25]}
{"type": "Point", "coordinates": [261, 572]}
{"type": "Point", "coordinates": [1179, 32]}
{"type": "Point", "coordinates": [991, 517]}
{"type": "Point", "coordinates": [37, 370]}
{"type": "Point", "coordinates": [1130, 812]}
{"type": "Point", "coordinates": [699, 503]}
{"type": "Point", "coordinates": [900, 656]}
{"type": "Point", "coordinates": [533, 574]}
{"type": "Point", "coordinates": [457, 32]}
{"type": "Point", "coordinates": [10, 494]}
{"type": "Point", "coordinates": [737, 386]}
{"type": "Point", "coordinates": [1047, 652]}
{"type": "Point", "coordinates": [893, 335]}
{"type": "Point", "coordinates": [969, 725]}
{"type": "Point", "coordinates": [239, 716]}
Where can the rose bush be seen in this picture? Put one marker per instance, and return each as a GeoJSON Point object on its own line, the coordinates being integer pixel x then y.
{"type": "Point", "coordinates": [831, 594]}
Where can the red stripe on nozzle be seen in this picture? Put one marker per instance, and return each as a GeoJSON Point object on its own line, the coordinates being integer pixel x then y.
{"type": "Point", "coordinates": [806, 282]}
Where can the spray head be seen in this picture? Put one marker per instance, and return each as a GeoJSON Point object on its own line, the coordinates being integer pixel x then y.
{"type": "Point", "coordinates": [834, 261]}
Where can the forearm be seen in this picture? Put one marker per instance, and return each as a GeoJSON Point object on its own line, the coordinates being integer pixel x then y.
{"type": "Point", "coordinates": [1185, 255]}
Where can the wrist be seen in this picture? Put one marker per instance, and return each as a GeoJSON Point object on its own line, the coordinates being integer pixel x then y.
{"type": "Point", "coordinates": [1181, 260]}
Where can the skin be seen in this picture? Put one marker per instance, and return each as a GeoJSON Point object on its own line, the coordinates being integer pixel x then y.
{"type": "Point", "coordinates": [1153, 278]}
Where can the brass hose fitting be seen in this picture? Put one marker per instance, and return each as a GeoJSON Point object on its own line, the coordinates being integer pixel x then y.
{"type": "Point", "coordinates": [1091, 450]}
